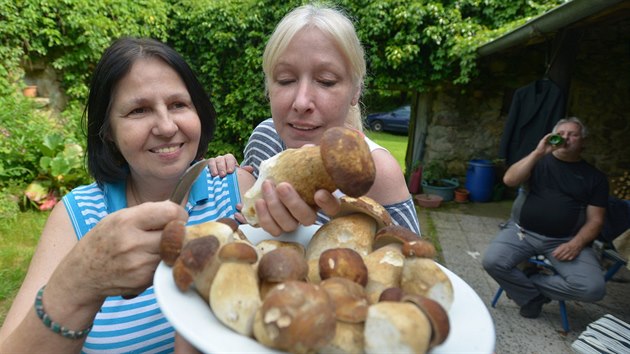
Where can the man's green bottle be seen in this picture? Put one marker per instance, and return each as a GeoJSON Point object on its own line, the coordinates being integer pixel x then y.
{"type": "Point", "coordinates": [555, 140]}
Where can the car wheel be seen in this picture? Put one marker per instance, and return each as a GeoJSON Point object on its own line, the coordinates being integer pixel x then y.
{"type": "Point", "coordinates": [377, 126]}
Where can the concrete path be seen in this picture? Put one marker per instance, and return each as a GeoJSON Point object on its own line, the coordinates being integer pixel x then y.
{"type": "Point", "coordinates": [464, 231]}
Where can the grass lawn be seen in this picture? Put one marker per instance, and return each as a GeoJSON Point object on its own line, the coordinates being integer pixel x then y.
{"type": "Point", "coordinates": [18, 237]}
{"type": "Point", "coordinates": [395, 143]}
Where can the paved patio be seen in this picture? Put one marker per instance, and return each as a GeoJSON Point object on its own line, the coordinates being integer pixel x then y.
{"type": "Point", "coordinates": [464, 231]}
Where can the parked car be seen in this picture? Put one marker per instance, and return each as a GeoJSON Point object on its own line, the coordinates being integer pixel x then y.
{"type": "Point", "coordinates": [396, 121]}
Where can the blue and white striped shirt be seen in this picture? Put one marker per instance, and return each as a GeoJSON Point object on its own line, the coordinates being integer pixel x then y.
{"type": "Point", "coordinates": [137, 325]}
{"type": "Point", "coordinates": [265, 142]}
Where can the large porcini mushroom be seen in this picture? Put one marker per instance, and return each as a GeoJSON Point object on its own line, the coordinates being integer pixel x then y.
{"type": "Point", "coordinates": [355, 231]}
{"type": "Point", "coordinates": [396, 327]}
{"type": "Point", "coordinates": [297, 317]}
{"type": "Point", "coordinates": [341, 161]}
{"type": "Point", "coordinates": [234, 294]}
{"type": "Point", "coordinates": [197, 264]}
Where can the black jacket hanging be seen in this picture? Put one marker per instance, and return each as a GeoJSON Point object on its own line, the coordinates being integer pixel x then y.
{"type": "Point", "coordinates": [534, 111]}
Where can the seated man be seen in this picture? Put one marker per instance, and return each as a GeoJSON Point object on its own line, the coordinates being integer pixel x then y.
{"type": "Point", "coordinates": [562, 212]}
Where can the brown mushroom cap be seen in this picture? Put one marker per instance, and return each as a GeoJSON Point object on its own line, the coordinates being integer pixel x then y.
{"type": "Point", "coordinates": [344, 263]}
{"type": "Point", "coordinates": [172, 241]}
{"type": "Point", "coordinates": [238, 251]}
{"type": "Point", "coordinates": [297, 317]}
{"type": "Point", "coordinates": [391, 294]}
{"type": "Point", "coordinates": [365, 205]}
{"type": "Point", "coordinates": [393, 234]}
{"type": "Point", "coordinates": [418, 248]}
{"type": "Point", "coordinates": [348, 160]}
{"type": "Point", "coordinates": [193, 259]}
{"type": "Point", "coordinates": [229, 222]}
{"type": "Point", "coordinates": [350, 299]}
{"type": "Point", "coordinates": [436, 314]}
{"type": "Point", "coordinates": [281, 264]}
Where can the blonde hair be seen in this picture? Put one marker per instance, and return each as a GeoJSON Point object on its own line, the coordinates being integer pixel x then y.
{"type": "Point", "coordinates": [335, 24]}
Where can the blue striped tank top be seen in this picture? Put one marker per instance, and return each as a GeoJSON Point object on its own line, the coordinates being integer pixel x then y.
{"type": "Point", "coordinates": [138, 325]}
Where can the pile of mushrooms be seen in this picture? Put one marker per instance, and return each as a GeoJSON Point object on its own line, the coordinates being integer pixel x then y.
{"type": "Point", "coordinates": [360, 285]}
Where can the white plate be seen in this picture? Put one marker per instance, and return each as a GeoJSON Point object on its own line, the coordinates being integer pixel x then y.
{"type": "Point", "coordinates": [472, 329]}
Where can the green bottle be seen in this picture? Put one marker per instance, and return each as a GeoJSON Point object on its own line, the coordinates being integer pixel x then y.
{"type": "Point", "coordinates": [555, 140]}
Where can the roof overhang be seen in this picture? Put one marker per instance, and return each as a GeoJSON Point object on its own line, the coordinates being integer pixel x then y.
{"type": "Point", "coordinates": [550, 22]}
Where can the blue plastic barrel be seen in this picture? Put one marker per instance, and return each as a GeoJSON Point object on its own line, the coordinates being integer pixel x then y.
{"type": "Point", "coordinates": [480, 180]}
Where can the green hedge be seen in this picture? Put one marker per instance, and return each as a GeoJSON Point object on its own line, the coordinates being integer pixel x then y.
{"type": "Point", "coordinates": [410, 46]}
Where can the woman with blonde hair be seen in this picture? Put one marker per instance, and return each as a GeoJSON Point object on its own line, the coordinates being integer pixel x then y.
{"type": "Point", "coordinates": [314, 69]}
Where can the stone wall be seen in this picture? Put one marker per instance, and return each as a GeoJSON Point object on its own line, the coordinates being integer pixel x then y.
{"type": "Point", "coordinates": [467, 122]}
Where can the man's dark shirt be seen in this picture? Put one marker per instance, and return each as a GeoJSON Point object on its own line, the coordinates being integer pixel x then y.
{"type": "Point", "coordinates": [559, 193]}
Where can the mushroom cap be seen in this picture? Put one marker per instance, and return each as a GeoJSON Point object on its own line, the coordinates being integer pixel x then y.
{"type": "Point", "coordinates": [297, 317]}
{"type": "Point", "coordinates": [391, 294]}
{"type": "Point", "coordinates": [198, 252]}
{"type": "Point", "coordinates": [268, 245]}
{"type": "Point", "coordinates": [196, 255]}
{"type": "Point", "coordinates": [229, 222]}
{"type": "Point", "coordinates": [344, 263]}
{"type": "Point", "coordinates": [436, 314]}
{"type": "Point", "coordinates": [418, 248]}
{"type": "Point", "coordinates": [172, 241]}
{"type": "Point", "coordinates": [350, 299]}
{"type": "Point", "coordinates": [365, 205]}
{"type": "Point", "coordinates": [239, 252]}
{"type": "Point", "coordinates": [281, 264]}
{"type": "Point", "coordinates": [394, 234]}
{"type": "Point", "coordinates": [221, 230]}
{"type": "Point", "coordinates": [348, 160]}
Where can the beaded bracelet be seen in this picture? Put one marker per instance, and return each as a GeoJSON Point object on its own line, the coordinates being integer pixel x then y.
{"type": "Point", "coordinates": [54, 326]}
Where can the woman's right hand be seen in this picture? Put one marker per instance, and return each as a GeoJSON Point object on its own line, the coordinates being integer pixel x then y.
{"type": "Point", "coordinates": [282, 209]}
{"type": "Point", "coordinates": [120, 254]}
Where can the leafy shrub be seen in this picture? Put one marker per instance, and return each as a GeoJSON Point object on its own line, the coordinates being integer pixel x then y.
{"type": "Point", "coordinates": [40, 150]}
{"type": "Point", "coordinates": [21, 127]}
{"type": "Point", "coordinates": [224, 42]}
{"type": "Point", "coordinates": [72, 34]}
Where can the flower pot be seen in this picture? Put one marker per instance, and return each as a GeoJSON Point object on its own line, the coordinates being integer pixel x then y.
{"type": "Point", "coordinates": [30, 91]}
{"type": "Point", "coordinates": [428, 200]}
{"type": "Point", "coordinates": [461, 195]}
{"type": "Point", "coordinates": [444, 189]}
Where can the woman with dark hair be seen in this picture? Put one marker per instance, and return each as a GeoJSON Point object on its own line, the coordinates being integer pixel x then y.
{"type": "Point", "coordinates": [148, 119]}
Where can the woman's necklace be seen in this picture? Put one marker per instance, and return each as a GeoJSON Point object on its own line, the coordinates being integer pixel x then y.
{"type": "Point", "coordinates": [134, 195]}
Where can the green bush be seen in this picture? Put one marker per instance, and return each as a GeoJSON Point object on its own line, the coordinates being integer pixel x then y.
{"type": "Point", "coordinates": [410, 45]}
{"type": "Point", "coordinates": [44, 152]}
{"type": "Point", "coordinates": [21, 127]}
{"type": "Point", "coordinates": [224, 42]}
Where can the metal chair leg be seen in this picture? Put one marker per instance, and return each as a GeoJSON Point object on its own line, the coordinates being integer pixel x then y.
{"type": "Point", "coordinates": [496, 297]}
{"type": "Point", "coordinates": [563, 315]}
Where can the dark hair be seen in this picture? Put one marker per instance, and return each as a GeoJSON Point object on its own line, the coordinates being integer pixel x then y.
{"type": "Point", "coordinates": [105, 163]}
